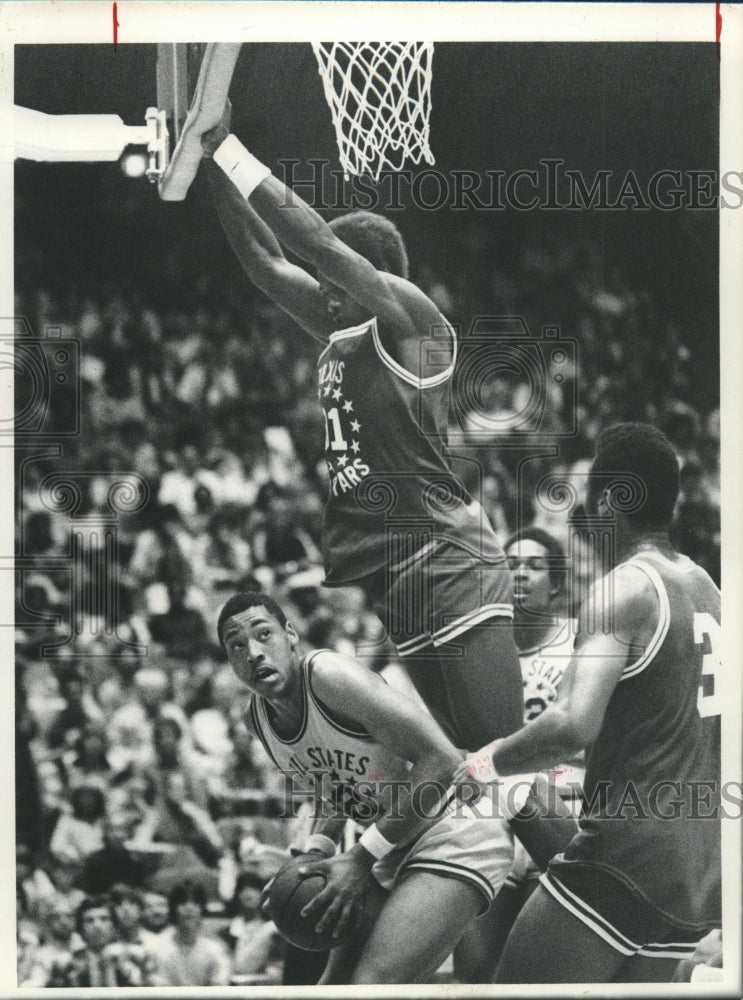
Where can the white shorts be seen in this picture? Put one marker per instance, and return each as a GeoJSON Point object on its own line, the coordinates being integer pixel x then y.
{"type": "Point", "coordinates": [523, 869]}
{"type": "Point", "coordinates": [474, 848]}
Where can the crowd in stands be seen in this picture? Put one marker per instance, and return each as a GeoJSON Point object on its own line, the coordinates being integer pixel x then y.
{"type": "Point", "coordinates": [148, 817]}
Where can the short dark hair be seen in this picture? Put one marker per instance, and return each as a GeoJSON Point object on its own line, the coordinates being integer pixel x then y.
{"type": "Point", "coordinates": [241, 602]}
{"type": "Point", "coordinates": [102, 902]}
{"type": "Point", "coordinates": [121, 892]}
{"type": "Point", "coordinates": [557, 567]}
{"type": "Point", "coordinates": [644, 453]}
{"type": "Point", "coordinates": [187, 891]}
{"type": "Point", "coordinates": [374, 237]}
{"type": "Point", "coordinates": [77, 797]}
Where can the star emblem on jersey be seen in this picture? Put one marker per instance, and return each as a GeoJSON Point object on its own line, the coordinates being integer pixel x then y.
{"type": "Point", "coordinates": [346, 470]}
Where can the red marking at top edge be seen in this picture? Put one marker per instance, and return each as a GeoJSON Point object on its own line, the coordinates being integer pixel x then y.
{"type": "Point", "coordinates": [718, 23]}
{"type": "Point", "coordinates": [116, 25]}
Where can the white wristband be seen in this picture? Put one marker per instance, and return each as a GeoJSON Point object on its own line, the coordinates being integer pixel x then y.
{"type": "Point", "coordinates": [319, 842]}
{"type": "Point", "coordinates": [242, 168]}
{"type": "Point", "coordinates": [373, 841]}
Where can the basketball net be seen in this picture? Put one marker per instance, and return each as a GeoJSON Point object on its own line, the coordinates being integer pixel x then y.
{"type": "Point", "coordinates": [379, 94]}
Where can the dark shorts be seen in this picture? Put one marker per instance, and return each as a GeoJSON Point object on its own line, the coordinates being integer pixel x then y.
{"type": "Point", "coordinates": [616, 912]}
{"type": "Point", "coordinates": [439, 593]}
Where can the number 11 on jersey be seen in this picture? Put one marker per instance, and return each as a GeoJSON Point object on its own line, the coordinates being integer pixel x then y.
{"type": "Point", "coordinates": [334, 434]}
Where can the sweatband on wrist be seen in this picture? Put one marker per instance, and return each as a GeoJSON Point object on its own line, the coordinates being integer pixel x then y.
{"type": "Point", "coordinates": [373, 841]}
{"type": "Point", "coordinates": [319, 842]}
{"type": "Point", "coordinates": [480, 763]}
{"type": "Point", "coordinates": [243, 169]}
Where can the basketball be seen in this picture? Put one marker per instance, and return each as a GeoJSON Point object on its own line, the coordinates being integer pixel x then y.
{"type": "Point", "coordinates": [289, 894]}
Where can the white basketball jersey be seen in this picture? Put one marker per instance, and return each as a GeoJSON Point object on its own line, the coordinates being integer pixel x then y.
{"type": "Point", "coordinates": [542, 670]}
{"type": "Point", "coordinates": [335, 761]}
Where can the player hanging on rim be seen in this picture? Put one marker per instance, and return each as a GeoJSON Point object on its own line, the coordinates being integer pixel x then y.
{"type": "Point", "coordinates": [349, 740]}
{"type": "Point", "coordinates": [439, 582]}
{"type": "Point", "coordinates": [640, 883]}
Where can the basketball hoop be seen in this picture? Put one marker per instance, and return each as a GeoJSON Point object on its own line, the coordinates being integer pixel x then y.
{"type": "Point", "coordinates": [379, 94]}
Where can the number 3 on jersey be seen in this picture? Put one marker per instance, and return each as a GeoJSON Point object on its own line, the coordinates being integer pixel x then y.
{"type": "Point", "coordinates": [707, 634]}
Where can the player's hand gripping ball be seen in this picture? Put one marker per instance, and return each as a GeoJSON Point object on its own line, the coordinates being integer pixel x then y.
{"type": "Point", "coordinates": [288, 894]}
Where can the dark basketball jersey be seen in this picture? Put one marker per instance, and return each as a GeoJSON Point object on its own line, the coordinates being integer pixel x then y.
{"type": "Point", "coordinates": [333, 761]}
{"type": "Point", "coordinates": [653, 775]}
{"type": "Point", "coordinates": [392, 489]}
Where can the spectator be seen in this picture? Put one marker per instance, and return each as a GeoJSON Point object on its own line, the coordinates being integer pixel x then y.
{"type": "Point", "coordinates": [35, 884]}
{"type": "Point", "coordinates": [222, 553]}
{"type": "Point", "coordinates": [79, 835]}
{"type": "Point", "coordinates": [174, 756]}
{"type": "Point", "coordinates": [66, 875]}
{"type": "Point", "coordinates": [78, 711]}
{"type": "Point", "coordinates": [246, 767]}
{"type": "Point", "coordinates": [135, 940]}
{"type": "Point", "coordinates": [120, 688]}
{"type": "Point", "coordinates": [101, 961]}
{"type": "Point", "coordinates": [60, 941]}
{"type": "Point", "coordinates": [162, 553]}
{"type": "Point", "coordinates": [132, 798]}
{"type": "Point", "coordinates": [185, 955]}
{"type": "Point", "coordinates": [179, 484]}
{"type": "Point", "coordinates": [181, 630]}
{"type": "Point", "coordinates": [114, 862]}
{"type": "Point", "coordinates": [253, 940]}
{"type": "Point", "coordinates": [203, 511]}
{"type": "Point", "coordinates": [89, 755]}
{"type": "Point", "coordinates": [155, 913]}
{"type": "Point", "coordinates": [210, 725]}
{"type": "Point", "coordinates": [132, 726]}
{"type": "Point", "coordinates": [280, 542]}
{"type": "Point", "coordinates": [179, 820]}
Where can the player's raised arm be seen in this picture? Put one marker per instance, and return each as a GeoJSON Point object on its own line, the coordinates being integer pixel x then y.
{"type": "Point", "coordinates": [293, 289]}
{"type": "Point", "coordinates": [623, 631]}
{"type": "Point", "coordinates": [298, 227]}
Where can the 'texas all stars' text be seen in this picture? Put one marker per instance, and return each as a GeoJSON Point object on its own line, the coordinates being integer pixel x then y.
{"type": "Point", "coordinates": [346, 467]}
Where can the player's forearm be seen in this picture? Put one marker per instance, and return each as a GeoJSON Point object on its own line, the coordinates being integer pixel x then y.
{"type": "Point", "coordinates": [549, 740]}
{"type": "Point", "coordinates": [296, 224]}
{"type": "Point", "coordinates": [416, 802]}
{"type": "Point", "coordinates": [254, 244]}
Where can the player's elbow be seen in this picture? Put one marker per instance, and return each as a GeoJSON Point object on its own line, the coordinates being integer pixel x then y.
{"type": "Point", "coordinates": [338, 262]}
{"type": "Point", "coordinates": [266, 273]}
